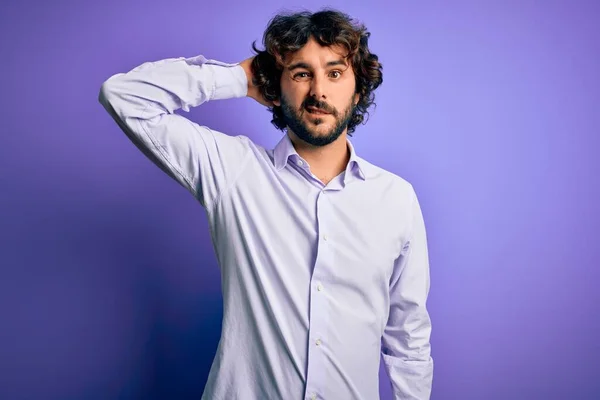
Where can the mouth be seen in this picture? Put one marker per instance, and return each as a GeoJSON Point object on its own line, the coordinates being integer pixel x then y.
{"type": "Point", "coordinates": [316, 111]}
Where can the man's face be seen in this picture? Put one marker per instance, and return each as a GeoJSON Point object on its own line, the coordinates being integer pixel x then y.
{"type": "Point", "coordinates": [317, 93]}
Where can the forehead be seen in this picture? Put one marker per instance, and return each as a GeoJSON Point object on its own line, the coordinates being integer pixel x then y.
{"type": "Point", "coordinates": [314, 55]}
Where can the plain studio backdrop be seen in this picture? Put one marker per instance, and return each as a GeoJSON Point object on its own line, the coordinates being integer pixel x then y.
{"type": "Point", "coordinates": [109, 287]}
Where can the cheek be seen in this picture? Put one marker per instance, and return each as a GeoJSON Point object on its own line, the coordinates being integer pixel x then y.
{"type": "Point", "coordinates": [293, 99]}
{"type": "Point", "coordinates": [343, 96]}
{"type": "Point", "coordinates": [294, 91]}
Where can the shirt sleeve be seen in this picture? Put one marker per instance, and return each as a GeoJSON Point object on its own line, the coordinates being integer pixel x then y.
{"type": "Point", "coordinates": [406, 348]}
{"type": "Point", "coordinates": [143, 101]}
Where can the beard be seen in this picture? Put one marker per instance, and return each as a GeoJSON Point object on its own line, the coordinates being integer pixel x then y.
{"type": "Point", "coordinates": [294, 121]}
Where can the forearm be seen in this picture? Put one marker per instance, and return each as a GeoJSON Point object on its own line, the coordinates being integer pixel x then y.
{"type": "Point", "coordinates": [163, 86]}
{"type": "Point", "coordinates": [406, 352]}
{"type": "Point", "coordinates": [411, 379]}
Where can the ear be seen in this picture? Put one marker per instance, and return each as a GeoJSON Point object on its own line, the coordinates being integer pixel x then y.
{"type": "Point", "coordinates": [356, 98]}
{"type": "Point", "coordinates": [277, 102]}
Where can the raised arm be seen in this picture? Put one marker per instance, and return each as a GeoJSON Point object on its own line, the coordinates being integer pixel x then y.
{"type": "Point", "coordinates": [142, 102]}
{"type": "Point", "coordinates": [405, 344]}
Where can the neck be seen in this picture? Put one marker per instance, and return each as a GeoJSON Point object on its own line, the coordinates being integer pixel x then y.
{"type": "Point", "coordinates": [326, 162]}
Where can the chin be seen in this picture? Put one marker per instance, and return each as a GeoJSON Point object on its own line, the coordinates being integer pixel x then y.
{"type": "Point", "coordinates": [320, 121]}
{"type": "Point", "coordinates": [321, 130]}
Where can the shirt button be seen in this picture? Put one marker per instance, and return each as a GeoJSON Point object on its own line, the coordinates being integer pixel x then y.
{"type": "Point", "coordinates": [325, 237]}
{"type": "Point", "coordinates": [299, 162]}
{"type": "Point", "coordinates": [313, 397]}
{"type": "Point", "coordinates": [318, 342]}
{"type": "Point", "coordinates": [319, 287]}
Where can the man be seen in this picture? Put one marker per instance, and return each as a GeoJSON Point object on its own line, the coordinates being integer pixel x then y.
{"type": "Point", "coordinates": [323, 255]}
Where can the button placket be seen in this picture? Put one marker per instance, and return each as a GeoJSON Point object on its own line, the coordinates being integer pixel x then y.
{"type": "Point", "coordinates": [319, 303]}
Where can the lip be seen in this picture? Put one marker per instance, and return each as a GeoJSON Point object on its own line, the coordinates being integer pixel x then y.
{"type": "Point", "coordinates": [317, 111]}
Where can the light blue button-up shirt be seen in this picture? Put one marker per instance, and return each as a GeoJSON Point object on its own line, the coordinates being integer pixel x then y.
{"type": "Point", "coordinates": [319, 281]}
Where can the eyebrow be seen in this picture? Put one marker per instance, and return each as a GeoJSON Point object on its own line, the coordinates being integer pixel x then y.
{"type": "Point", "coordinates": [302, 64]}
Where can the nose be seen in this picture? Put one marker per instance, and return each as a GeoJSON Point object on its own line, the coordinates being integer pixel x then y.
{"type": "Point", "coordinates": [317, 88]}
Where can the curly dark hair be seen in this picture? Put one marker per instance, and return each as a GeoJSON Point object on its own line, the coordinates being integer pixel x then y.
{"type": "Point", "coordinates": [288, 32]}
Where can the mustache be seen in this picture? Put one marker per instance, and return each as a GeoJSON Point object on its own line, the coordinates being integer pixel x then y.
{"type": "Point", "coordinates": [312, 102]}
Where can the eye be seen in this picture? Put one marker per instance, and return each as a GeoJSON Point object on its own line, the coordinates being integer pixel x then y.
{"type": "Point", "coordinates": [336, 73]}
{"type": "Point", "coordinates": [301, 75]}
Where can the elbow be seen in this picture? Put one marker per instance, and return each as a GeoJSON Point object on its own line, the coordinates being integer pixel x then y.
{"type": "Point", "coordinates": [106, 93]}
{"type": "Point", "coordinates": [109, 90]}
{"type": "Point", "coordinates": [111, 98]}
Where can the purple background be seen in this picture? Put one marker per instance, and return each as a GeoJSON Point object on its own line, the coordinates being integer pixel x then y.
{"type": "Point", "coordinates": [109, 287]}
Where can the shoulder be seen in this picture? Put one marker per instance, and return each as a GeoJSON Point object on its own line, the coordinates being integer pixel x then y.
{"type": "Point", "coordinates": [392, 195]}
{"type": "Point", "coordinates": [386, 179]}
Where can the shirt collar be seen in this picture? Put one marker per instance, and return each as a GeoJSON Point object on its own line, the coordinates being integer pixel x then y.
{"type": "Point", "coordinates": [284, 150]}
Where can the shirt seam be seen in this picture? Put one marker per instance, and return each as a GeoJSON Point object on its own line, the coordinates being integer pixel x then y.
{"type": "Point", "coordinates": [165, 155]}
